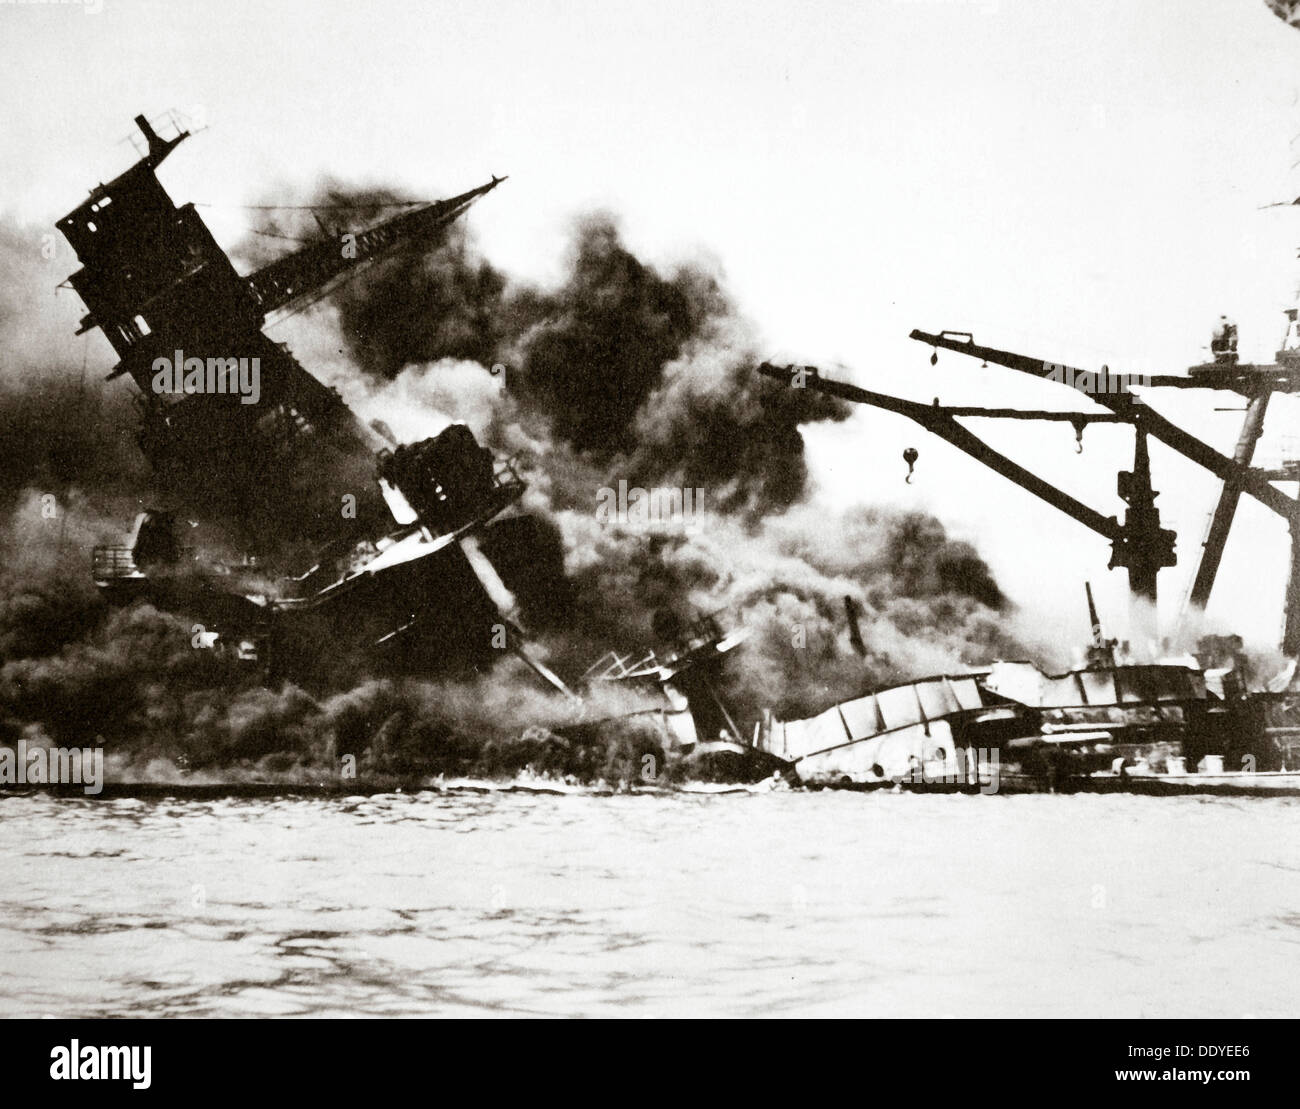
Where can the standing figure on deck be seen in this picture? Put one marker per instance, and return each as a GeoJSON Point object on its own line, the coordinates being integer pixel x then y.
{"type": "Point", "coordinates": [1223, 343]}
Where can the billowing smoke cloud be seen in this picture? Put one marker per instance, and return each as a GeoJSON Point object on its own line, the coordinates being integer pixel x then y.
{"type": "Point", "coordinates": [622, 373]}
{"type": "Point", "coordinates": [590, 354]}
{"type": "Point", "coordinates": [635, 372]}
{"type": "Point", "coordinates": [786, 581]}
{"type": "Point", "coordinates": [59, 428]}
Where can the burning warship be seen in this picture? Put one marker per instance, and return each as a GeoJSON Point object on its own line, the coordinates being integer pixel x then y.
{"type": "Point", "coordinates": [412, 554]}
{"type": "Point", "coordinates": [413, 551]}
{"type": "Point", "coordinates": [400, 566]}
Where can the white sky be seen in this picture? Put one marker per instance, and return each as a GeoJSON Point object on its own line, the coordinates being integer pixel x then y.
{"type": "Point", "coordinates": [1078, 181]}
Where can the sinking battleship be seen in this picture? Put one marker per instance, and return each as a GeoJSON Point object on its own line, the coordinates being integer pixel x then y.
{"type": "Point", "coordinates": [1195, 725]}
{"type": "Point", "coordinates": [398, 533]}
{"type": "Point", "coordinates": [412, 552]}
{"type": "Point", "coordinates": [1203, 722]}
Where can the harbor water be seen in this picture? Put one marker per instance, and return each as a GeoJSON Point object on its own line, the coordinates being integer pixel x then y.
{"type": "Point", "coordinates": [745, 904]}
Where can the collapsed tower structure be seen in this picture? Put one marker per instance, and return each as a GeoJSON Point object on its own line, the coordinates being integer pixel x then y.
{"type": "Point", "coordinates": [398, 531]}
{"type": "Point", "coordinates": [158, 286]}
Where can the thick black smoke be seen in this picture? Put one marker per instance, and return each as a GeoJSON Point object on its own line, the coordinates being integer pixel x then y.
{"type": "Point", "coordinates": [590, 354]}
{"type": "Point", "coordinates": [59, 428]}
{"type": "Point", "coordinates": [626, 373]}
{"type": "Point", "coordinates": [622, 372]}
{"type": "Point", "coordinates": [645, 374]}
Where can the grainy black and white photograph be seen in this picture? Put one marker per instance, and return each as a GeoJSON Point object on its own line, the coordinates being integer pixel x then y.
{"type": "Point", "coordinates": [641, 509]}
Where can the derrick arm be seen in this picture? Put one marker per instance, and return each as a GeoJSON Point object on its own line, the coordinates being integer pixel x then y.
{"type": "Point", "coordinates": [1216, 536]}
{"type": "Point", "coordinates": [1186, 444]}
{"type": "Point", "coordinates": [1139, 544]}
{"type": "Point", "coordinates": [941, 423]}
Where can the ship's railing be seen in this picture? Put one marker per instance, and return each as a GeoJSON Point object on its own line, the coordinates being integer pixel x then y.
{"type": "Point", "coordinates": [109, 562]}
{"type": "Point", "coordinates": [612, 667]}
{"type": "Point", "coordinates": [702, 630]}
{"type": "Point", "coordinates": [506, 476]}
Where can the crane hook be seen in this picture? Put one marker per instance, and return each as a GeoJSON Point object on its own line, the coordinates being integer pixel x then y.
{"type": "Point", "coordinates": [910, 456]}
{"type": "Point", "coordinates": [934, 357]}
{"type": "Point", "coordinates": [1079, 425]}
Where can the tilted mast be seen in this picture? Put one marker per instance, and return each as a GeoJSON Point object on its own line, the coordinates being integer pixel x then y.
{"type": "Point", "coordinates": [161, 289]}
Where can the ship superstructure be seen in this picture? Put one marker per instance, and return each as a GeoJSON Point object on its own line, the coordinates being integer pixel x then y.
{"type": "Point", "coordinates": [237, 431]}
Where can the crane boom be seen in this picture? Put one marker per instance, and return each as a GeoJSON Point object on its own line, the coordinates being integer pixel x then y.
{"type": "Point", "coordinates": [313, 267]}
{"type": "Point", "coordinates": [938, 421]}
{"type": "Point", "coordinates": [1256, 383]}
{"type": "Point", "coordinates": [1139, 544]}
{"type": "Point", "coordinates": [1186, 444]}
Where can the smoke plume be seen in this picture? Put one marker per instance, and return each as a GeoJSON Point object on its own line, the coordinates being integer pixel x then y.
{"type": "Point", "coordinates": [625, 372]}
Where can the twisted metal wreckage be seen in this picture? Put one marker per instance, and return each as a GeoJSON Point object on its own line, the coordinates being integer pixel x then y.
{"type": "Point", "coordinates": [421, 569]}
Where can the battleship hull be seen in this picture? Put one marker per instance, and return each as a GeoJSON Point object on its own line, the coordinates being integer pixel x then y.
{"type": "Point", "coordinates": [1155, 729]}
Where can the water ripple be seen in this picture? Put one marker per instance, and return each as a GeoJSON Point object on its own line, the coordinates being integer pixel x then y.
{"type": "Point", "coordinates": [493, 903]}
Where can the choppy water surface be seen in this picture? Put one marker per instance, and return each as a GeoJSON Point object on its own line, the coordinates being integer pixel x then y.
{"type": "Point", "coordinates": [744, 904]}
